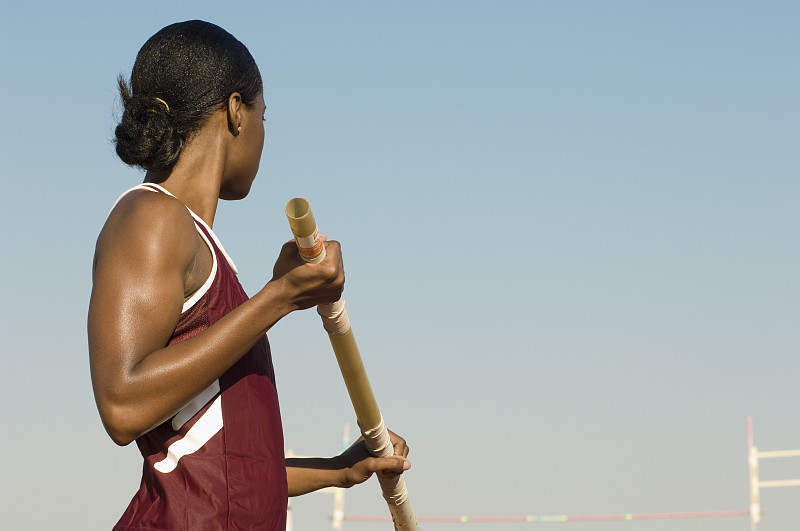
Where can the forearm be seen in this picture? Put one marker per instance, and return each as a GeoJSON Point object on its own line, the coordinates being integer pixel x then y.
{"type": "Point", "coordinates": [160, 383]}
{"type": "Point", "coordinates": [353, 466]}
{"type": "Point", "coordinates": [306, 475]}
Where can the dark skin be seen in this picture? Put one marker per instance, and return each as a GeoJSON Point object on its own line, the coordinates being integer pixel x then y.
{"type": "Point", "coordinates": [150, 258]}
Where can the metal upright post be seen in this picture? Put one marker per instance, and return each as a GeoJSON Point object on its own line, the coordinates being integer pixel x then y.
{"type": "Point", "coordinates": [338, 496]}
{"type": "Point", "coordinates": [752, 461]}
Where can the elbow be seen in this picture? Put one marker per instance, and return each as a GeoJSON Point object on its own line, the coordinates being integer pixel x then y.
{"type": "Point", "coordinates": [118, 425]}
{"type": "Point", "coordinates": [119, 437]}
{"type": "Point", "coordinates": [120, 414]}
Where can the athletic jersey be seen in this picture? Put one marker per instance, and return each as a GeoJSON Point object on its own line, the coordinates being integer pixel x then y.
{"type": "Point", "coordinates": [219, 462]}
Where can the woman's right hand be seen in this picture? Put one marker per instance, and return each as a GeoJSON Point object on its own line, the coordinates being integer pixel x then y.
{"type": "Point", "coordinates": [308, 285]}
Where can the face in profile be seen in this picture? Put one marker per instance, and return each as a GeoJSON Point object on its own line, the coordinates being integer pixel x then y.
{"type": "Point", "coordinates": [246, 157]}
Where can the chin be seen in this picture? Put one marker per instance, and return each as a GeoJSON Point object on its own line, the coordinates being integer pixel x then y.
{"type": "Point", "coordinates": [234, 193]}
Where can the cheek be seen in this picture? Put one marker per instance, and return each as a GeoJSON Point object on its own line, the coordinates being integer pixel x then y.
{"type": "Point", "coordinates": [261, 143]}
{"type": "Point", "coordinates": [258, 148]}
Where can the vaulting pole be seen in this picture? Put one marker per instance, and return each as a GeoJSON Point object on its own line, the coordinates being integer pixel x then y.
{"type": "Point", "coordinates": [337, 324]}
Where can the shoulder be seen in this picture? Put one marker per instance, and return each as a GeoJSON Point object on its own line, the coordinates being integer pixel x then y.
{"type": "Point", "coordinates": [146, 225]}
{"type": "Point", "coordinates": [142, 205]}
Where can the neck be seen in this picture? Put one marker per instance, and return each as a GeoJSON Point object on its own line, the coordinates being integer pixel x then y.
{"type": "Point", "coordinates": [196, 177]}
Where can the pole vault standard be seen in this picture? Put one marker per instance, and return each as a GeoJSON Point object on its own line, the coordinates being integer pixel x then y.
{"type": "Point", "coordinates": [335, 321]}
{"type": "Point", "coordinates": [753, 455]}
{"type": "Point", "coordinates": [338, 495]}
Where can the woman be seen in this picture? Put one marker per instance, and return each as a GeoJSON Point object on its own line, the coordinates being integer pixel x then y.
{"type": "Point", "coordinates": [179, 358]}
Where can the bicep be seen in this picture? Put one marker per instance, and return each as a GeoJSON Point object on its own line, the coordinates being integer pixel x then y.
{"type": "Point", "coordinates": [131, 313]}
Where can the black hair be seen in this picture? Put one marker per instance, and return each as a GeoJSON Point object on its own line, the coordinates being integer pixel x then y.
{"type": "Point", "coordinates": [182, 74]}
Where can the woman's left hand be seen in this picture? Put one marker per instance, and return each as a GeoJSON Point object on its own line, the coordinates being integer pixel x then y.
{"type": "Point", "coordinates": [357, 464]}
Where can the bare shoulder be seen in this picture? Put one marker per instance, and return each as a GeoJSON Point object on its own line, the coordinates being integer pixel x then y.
{"type": "Point", "coordinates": [147, 227]}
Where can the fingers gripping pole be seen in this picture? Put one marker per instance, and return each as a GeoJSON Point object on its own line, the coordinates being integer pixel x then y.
{"type": "Point", "coordinates": [337, 324]}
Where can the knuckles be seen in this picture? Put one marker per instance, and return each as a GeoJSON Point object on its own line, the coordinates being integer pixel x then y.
{"type": "Point", "coordinates": [312, 284]}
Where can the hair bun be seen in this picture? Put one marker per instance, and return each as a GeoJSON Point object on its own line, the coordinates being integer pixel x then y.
{"type": "Point", "coordinates": [147, 134]}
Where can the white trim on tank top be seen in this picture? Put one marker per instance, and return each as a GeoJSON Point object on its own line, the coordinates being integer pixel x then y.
{"type": "Point", "coordinates": [197, 295]}
{"type": "Point", "coordinates": [198, 435]}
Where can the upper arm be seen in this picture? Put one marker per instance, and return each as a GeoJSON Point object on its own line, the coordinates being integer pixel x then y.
{"type": "Point", "coordinates": [140, 265]}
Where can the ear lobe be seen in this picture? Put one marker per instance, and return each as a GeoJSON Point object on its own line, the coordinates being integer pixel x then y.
{"type": "Point", "coordinates": [235, 113]}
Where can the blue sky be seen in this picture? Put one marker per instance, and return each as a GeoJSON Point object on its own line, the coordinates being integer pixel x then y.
{"type": "Point", "coordinates": [591, 213]}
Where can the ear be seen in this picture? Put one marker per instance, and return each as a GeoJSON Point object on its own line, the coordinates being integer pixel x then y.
{"type": "Point", "coordinates": [235, 113]}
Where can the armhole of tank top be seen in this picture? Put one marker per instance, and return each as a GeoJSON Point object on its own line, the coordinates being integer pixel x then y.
{"type": "Point", "coordinates": [197, 295]}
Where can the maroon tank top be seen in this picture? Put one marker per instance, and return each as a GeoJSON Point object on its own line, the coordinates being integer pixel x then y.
{"type": "Point", "coordinates": [219, 462]}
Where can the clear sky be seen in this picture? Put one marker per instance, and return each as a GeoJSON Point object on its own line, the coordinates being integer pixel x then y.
{"type": "Point", "coordinates": [570, 232]}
